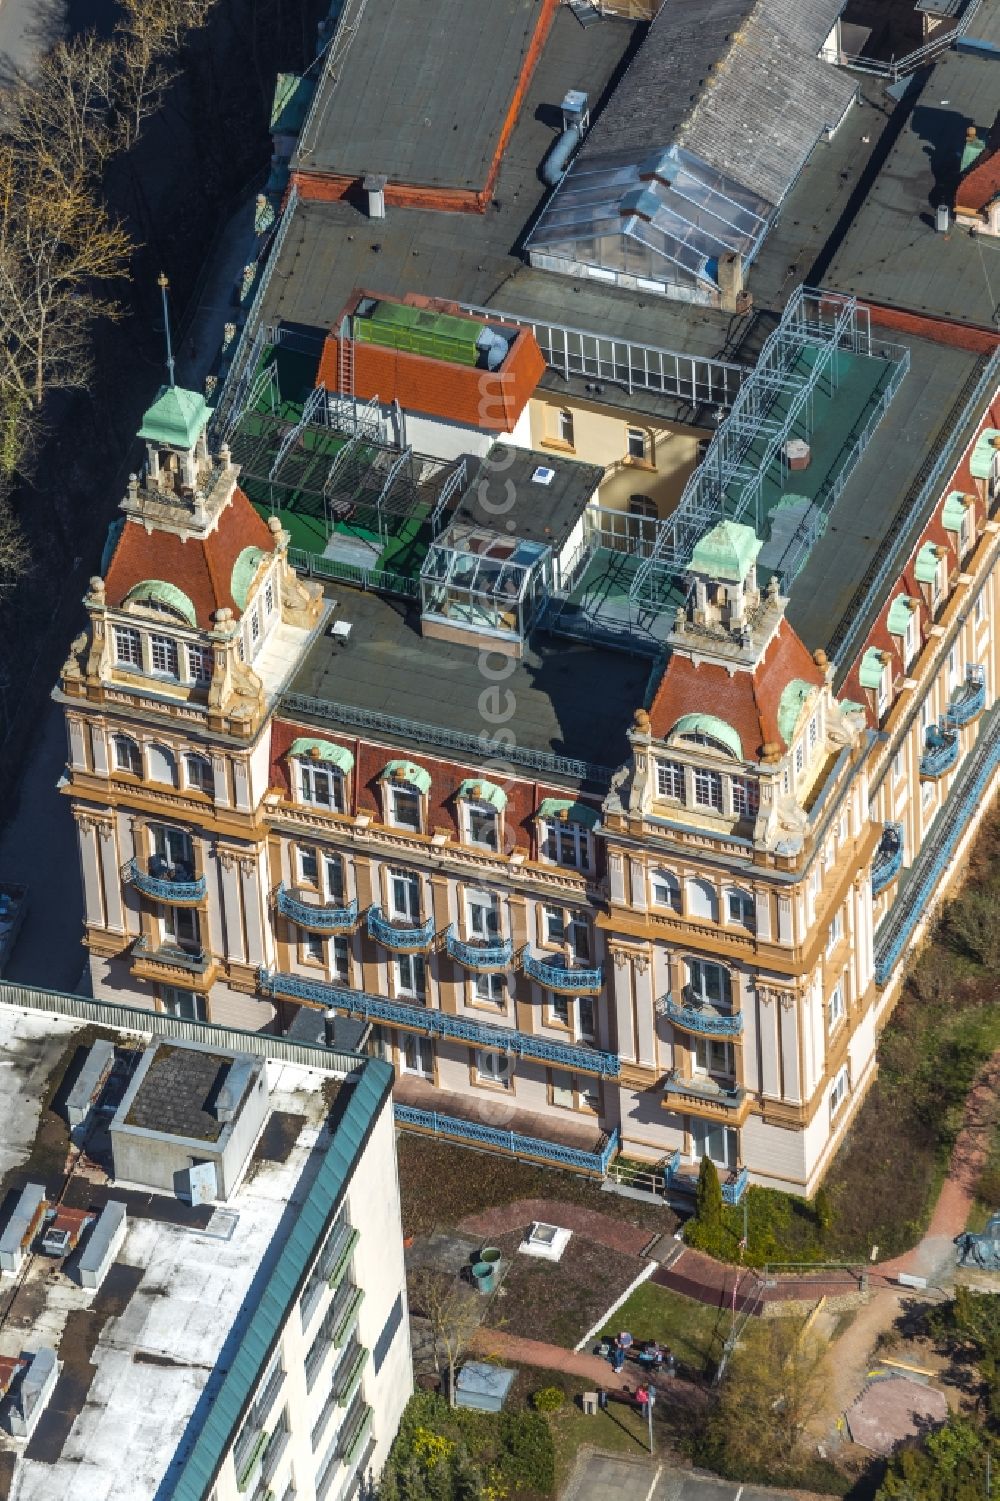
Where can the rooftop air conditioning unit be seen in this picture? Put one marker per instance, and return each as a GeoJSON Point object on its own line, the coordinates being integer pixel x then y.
{"type": "Point", "coordinates": [543, 475]}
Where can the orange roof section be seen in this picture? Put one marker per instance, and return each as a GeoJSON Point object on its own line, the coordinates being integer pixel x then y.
{"type": "Point", "coordinates": [491, 400]}
{"type": "Point", "coordinates": [201, 566]}
{"type": "Point", "coordinates": [981, 183]}
{"type": "Point", "coordinates": [748, 701]}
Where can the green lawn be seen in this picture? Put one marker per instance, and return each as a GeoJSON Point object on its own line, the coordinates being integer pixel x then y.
{"type": "Point", "coordinates": [693, 1331]}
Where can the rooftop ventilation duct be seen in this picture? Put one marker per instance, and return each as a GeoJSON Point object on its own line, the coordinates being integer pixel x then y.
{"type": "Point", "coordinates": [374, 185]}
{"type": "Point", "coordinates": [232, 1089]}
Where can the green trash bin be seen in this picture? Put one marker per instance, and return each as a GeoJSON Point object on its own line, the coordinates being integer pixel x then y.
{"type": "Point", "coordinates": [485, 1276]}
{"type": "Point", "coordinates": [491, 1255]}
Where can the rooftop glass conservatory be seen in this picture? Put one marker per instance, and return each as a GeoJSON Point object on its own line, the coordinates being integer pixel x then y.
{"type": "Point", "coordinates": [478, 583]}
{"type": "Point", "coordinates": [662, 223]}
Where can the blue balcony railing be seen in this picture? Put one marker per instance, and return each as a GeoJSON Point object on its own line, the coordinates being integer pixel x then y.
{"type": "Point", "coordinates": [704, 1091]}
{"type": "Point", "coordinates": [704, 1020]}
{"type": "Point", "coordinates": [888, 857]}
{"type": "Point", "coordinates": [316, 919]}
{"type": "Point", "coordinates": [940, 751]}
{"type": "Point", "coordinates": [166, 888]}
{"type": "Point", "coordinates": [497, 954]}
{"type": "Point", "coordinates": [400, 934]}
{"type": "Point", "coordinates": [582, 1060]}
{"type": "Point", "coordinates": [733, 1182]}
{"type": "Point", "coordinates": [567, 979]}
{"type": "Point", "coordinates": [513, 1142]}
{"type": "Point", "coordinates": [970, 700]}
{"type": "Point", "coordinates": [172, 955]}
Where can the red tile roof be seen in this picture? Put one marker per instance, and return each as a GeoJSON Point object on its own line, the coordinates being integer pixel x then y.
{"type": "Point", "coordinates": [746, 700]}
{"type": "Point", "coordinates": [201, 567]}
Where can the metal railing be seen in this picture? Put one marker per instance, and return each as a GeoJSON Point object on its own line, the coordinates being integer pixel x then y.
{"type": "Point", "coordinates": [888, 858]}
{"type": "Point", "coordinates": [403, 935]}
{"type": "Point", "coordinates": [635, 367]}
{"type": "Point", "coordinates": [583, 1060]}
{"type": "Point", "coordinates": [378, 580]}
{"type": "Point", "coordinates": [733, 1186]}
{"type": "Point", "coordinates": [705, 1020]}
{"type": "Point", "coordinates": [319, 919]}
{"type": "Point", "coordinates": [483, 745]}
{"type": "Point", "coordinates": [970, 701]}
{"type": "Point", "coordinates": [137, 1021]}
{"type": "Point", "coordinates": [854, 625]}
{"type": "Point", "coordinates": [177, 892]}
{"type": "Point", "coordinates": [486, 955]}
{"type": "Point", "coordinates": [900, 67]}
{"type": "Point", "coordinates": [249, 347]}
{"type": "Point", "coordinates": [941, 749]}
{"type": "Point", "coordinates": [513, 1142]}
{"type": "Point", "coordinates": [895, 932]}
{"type": "Point", "coordinates": [557, 975]}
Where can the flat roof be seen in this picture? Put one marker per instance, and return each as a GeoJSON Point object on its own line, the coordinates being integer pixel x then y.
{"type": "Point", "coordinates": [177, 1092]}
{"type": "Point", "coordinates": [139, 1356]}
{"type": "Point", "coordinates": [878, 503]}
{"type": "Point", "coordinates": [535, 496]}
{"type": "Point", "coordinates": [421, 93]}
{"type": "Point", "coordinates": [891, 252]}
{"type": "Point", "coordinates": [387, 667]}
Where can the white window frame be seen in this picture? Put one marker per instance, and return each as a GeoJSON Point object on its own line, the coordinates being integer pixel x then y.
{"type": "Point", "coordinates": [316, 776]}
{"type": "Point", "coordinates": [665, 890]}
{"type": "Point", "coordinates": [490, 989]}
{"type": "Point", "coordinates": [554, 926]}
{"type": "Point", "coordinates": [313, 947]}
{"type": "Point", "coordinates": [186, 1004]}
{"type": "Point", "coordinates": [700, 976]}
{"type": "Point", "coordinates": [410, 976]}
{"type": "Point", "coordinates": [406, 795]}
{"type": "Point", "coordinates": [132, 763]}
{"type": "Point", "coordinates": [482, 914]}
{"type": "Point", "coordinates": [416, 1056]}
{"type": "Point", "coordinates": [708, 788]}
{"type": "Point", "coordinates": [307, 865]}
{"type": "Point", "coordinates": [485, 814]}
{"type": "Point", "coordinates": [884, 690]}
{"type": "Point", "coordinates": [205, 774]}
{"type": "Point", "coordinates": [835, 931]}
{"type": "Point", "coordinates": [835, 1008]}
{"type": "Point", "coordinates": [911, 638]}
{"type": "Point", "coordinates": [200, 663]}
{"type": "Point", "coordinates": [128, 646]}
{"type": "Point", "coordinates": [746, 796]}
{"type": "Point", "coordinates": [567, 844]}
{"type": "Point", "coordinates": [163, 649]}
{"type": "Point", "coordinates": [979, 609]}
{"type": "Point", "coordinates": [670, 776]}
{"type": "Point", "coordinates": [567, 428]}
{"type": "Point", "coordinates": [637, 443]}
{"type": "Point", "coordinates": [408, 907]}
{"type": "Point", "coordinates": [741, 909]}
{"type": "Point", "coordinates": [713, 1058]}
{"type": "Point", "coordinates": [340, 957]}
{"type": "Point", "coordinates": [839, 1090]}
{"type": "Point", "coordinates": [492, 1068]}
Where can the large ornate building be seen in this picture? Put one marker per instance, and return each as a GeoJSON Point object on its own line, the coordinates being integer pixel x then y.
{"type": "Point", "coordinates": [592, 901]}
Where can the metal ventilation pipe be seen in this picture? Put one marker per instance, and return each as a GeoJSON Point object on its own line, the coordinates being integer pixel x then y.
{"type": "Point", "coordinates": [374, 185]}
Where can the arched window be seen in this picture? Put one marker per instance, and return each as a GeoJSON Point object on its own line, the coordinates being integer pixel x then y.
{"type": "Point", "coordinates": [162, 765]}
{"type": "Point", "coordinates": [642, 505]}
{"type": "Point", "coordinates": [199, 775]}
{"type": "Point", "coordinates": [702, 900]}
{"type": "Point", "coordinates": [127, 755]}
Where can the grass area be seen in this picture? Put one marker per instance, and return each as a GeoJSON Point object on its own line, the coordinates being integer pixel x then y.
{"type": "Point", "coordinates": [559, 1301]}
{"type": "Point", "coordinates": [692, 1331]}
{"type": "Point", "coordinates": [441, 1184]}
{"type": "Point", "coordinates": [882, 1186]}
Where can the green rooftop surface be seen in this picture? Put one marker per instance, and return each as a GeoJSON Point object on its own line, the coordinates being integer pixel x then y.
{"type": "Point", "coordinates": [176, 418]}
{"type": "Point", "coordinates": [840, 412]}
{"type": "Point", "coordinates": [441, 336]}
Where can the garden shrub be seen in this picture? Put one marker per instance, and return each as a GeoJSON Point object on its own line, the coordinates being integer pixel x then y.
{"type": "Point", "coordinates": [549, 1399]}
{"type": "Point", "coordinates": [527, 1454]}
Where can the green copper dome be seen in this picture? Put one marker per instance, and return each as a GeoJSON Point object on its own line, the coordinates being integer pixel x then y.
{"type": "Point", "coordinates": [727, 552]}
{"type": "Point", "coordinates": [177, 418]}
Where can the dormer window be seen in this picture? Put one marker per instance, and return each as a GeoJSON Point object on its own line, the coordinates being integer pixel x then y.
{"type": "Point", "coordinates": [565, 833]}
{"type": "Point", "coordinates": [405, 787]}
{"type": "Point", "coordinates": [322, 770]}
{"type": "Point", "coordinates": [200, 660]}
{"type": "Point", "coordinates": [482, 804]}
{"type": "Point", "coordinates": [746, 797]}
{"type": "Point", "coordinates": [875, 674]}
{"type": "Point", "coordinates": [322, 786]}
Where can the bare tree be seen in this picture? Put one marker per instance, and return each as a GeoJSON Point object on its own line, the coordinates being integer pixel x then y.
{"type": "Point", "coordinates": [453, 1312]}
{"type": "Point", "coordinates": [58, 116]}
{"type": "Point", "coordinates": [773, 1389]}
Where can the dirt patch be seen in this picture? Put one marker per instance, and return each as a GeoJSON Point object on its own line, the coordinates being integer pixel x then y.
{"type": "Point", "coordinates": [631, 1240]}
{"type": "Point", "coordinates": [557, 1302]}
{"type": "Point", "coordinates": [443, 1185]}
{"type": "Point", "coordinates": [278, 1137]}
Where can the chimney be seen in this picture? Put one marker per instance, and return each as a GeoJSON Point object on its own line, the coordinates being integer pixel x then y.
{"type": "Point", "coordinates": [731, 281]}
{"type": "Point", "coordinates": [374, 185]}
